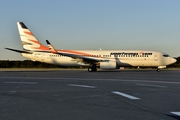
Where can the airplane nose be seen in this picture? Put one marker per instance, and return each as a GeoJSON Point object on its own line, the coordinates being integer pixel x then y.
{"type": "Point", "coordinates": [173, 60]}
{"type": "Point", "coordinates": [170, 61]}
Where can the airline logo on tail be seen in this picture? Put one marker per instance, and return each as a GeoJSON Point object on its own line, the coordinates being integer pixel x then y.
{"type": "Point", "coordinates": [29, 41]}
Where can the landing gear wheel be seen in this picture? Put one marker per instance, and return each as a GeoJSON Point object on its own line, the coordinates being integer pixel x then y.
{"type": "Point", "coordinates": [90, 69]}
{"type": "Point", "coordinates": [158, 70]}
{"type": "Point", "coordinates": [94, 69]}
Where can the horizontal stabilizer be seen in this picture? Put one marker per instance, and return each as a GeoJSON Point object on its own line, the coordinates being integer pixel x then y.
{"type": "Point", "coordinates": [19, 51]}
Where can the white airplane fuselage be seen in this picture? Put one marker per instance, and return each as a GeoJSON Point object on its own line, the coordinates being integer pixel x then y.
{"type": "Point", "coordinates": [122, 58]}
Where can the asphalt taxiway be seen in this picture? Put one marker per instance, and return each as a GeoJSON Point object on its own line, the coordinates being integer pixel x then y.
{"type": "Point", "coordinates": [78, 94]}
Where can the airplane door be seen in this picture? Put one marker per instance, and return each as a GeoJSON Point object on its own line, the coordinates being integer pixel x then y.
{"type": "Point", "coordinates": [155, 57]}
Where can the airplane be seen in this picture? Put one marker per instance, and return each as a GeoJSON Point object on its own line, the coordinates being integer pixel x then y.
{"type": "Point", "coordinates": [103, 59]}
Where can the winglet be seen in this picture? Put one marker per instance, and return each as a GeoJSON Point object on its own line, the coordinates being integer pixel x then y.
{"type": "Point", "coordinates": [51, 48]}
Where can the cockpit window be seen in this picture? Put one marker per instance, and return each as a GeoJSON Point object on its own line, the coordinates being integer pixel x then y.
{"type": "Point", "coordinates": [166, 55]}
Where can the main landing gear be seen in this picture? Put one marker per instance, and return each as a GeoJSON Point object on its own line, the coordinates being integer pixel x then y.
{"type": "Point", "coordinates": [93, 68]}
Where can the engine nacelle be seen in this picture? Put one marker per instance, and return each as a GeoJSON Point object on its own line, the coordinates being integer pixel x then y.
{"type": "Point", "coordinates": [108, 65]}
{"type": "Point", "coordinates": [161, 67]}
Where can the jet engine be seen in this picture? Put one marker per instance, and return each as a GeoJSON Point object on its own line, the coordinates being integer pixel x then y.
{"type": "Point", "coordinates": [108, 65]}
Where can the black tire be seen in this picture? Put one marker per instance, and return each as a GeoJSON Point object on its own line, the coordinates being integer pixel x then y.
{"type": "Point", "coordinates": [94, 69]}
{"type": "Point", "coordinates": [90, 69]}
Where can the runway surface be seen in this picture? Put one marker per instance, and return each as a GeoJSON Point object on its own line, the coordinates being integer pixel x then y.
{"type": "Point", "coordinates": [82, 95]}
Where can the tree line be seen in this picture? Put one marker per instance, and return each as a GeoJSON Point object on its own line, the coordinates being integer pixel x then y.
{"type": "Point", "coordinates": [35, 64]}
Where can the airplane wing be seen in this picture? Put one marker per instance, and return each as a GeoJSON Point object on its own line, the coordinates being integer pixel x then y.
{"type": "Point", "coordinates": [83, 58]}
{"type": "Point", "coordinates": [19, 51]}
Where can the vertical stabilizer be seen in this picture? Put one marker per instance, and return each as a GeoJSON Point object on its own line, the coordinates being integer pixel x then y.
{"type": "Point", "coordinates": [29, 41]}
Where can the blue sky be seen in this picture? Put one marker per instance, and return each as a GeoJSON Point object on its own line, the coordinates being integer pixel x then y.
{"type": "Point", "coordinates": [93, 24]}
